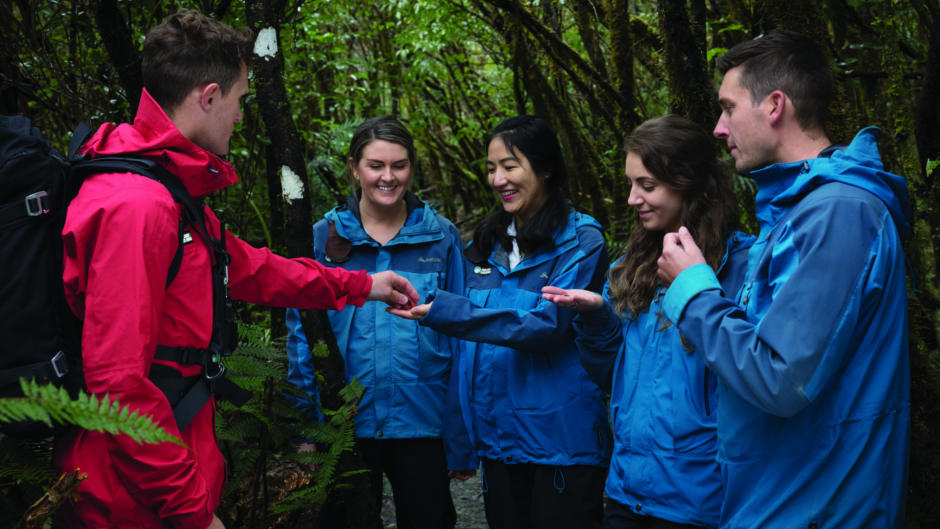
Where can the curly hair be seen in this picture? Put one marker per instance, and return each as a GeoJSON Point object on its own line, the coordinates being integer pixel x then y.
{"type": "Point", "coordinates": [683, 157]}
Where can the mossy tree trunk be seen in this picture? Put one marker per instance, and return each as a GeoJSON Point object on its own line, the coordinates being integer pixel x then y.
{"type": "Point", "coordinates": [923, 509]}
{"type": "Point", "coordinates": [682, 24]}
{"type": "Point", "coordinates": [352, 491]}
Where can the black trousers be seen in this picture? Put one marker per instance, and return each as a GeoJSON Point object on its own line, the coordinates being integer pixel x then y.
{"type": "Point", "coordinates": [527, 495]}
{"type": "Point", "coordinates": [417, 471]}
{"type": "Point", "coordinates": [619, 516]}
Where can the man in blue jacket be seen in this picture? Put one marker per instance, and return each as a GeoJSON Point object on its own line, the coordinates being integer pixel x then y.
{"type": "Point", "coordinates": [812, 354]}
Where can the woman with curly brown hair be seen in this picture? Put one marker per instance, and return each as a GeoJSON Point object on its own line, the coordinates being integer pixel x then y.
{"type": "Point", "coordinates": [663, 472]}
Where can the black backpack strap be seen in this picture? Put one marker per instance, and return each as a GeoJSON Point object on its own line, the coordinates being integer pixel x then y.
{"type": "Point", "coordinates": [81, 168]}
{"type": "Point", "coordinates": [146, 167]}
{"type": "Point", "coordinates": [178, 257]}
{"type": "Point", "coordinates": [43, 372]}
{"type": "Point", "coordinates": [187, 395]}
{"type": "Point", "coordinates": [194, 392]}
{"type": "Point", "coordinates": [79, 136]}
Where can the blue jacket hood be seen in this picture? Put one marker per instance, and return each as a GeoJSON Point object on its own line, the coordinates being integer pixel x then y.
{"type": "Point", "coordinates": [565, 239]}
{"type": "Point", "coordinates": [422, 224]}
{"type": "Point", "coordinates": [858, 164]}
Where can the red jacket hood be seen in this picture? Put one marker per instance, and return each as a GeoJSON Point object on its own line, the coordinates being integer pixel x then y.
{"type": "Point", "coordinates": [154, 135]}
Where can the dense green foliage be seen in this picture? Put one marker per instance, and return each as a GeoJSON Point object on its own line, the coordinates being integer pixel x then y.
{"type": "Point", "coordinates": [271, 482]}
{"type": "Point", "coordinates": [451, 69]}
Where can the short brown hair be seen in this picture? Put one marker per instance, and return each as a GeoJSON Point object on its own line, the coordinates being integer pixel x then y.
{"type": "Point", "coordinates": [786, 61]}
{"type": "Point", "coordinates": [189, 49]}
{"type": "Point", "coordinates": [385, 128]}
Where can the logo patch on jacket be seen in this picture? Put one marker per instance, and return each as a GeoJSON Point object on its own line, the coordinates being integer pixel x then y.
{"type": "Point", "coordinates": [482, 271]}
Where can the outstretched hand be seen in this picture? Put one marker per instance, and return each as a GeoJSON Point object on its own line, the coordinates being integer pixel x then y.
{"type": "Point", "coordinates": [679, 253]}
{"type": "Point", "coordinates": [575, 299]}
{"type": "Point", "coordinates": [393, 289]}
{"type": "Point", "coordinates": [410, 313]}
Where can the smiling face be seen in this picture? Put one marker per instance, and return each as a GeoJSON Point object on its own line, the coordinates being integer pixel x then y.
{"type": "Point", "coordinates": [658, 205]}
{"type": "Point", "coordinates": [383, 172]}
{"type": "Point", "coordinates": [744, 125]}
{"type": "Point", "coordinates": [521, 191]}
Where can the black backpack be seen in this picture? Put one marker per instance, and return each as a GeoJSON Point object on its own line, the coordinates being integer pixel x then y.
{"type": "Point", "coordinates": [41, 338]}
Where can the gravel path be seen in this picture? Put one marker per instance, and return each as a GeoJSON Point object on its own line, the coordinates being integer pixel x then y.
{"type": "Point", "coordinates": [468, 500]}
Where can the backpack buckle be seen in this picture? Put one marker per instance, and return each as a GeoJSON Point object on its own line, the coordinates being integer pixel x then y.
{"type": "Point", "coordinates": [213, 360]}
{"type": "Point", "coordinates": [60, 364]}
{"type": "Point", "coordinates": [37, 204]}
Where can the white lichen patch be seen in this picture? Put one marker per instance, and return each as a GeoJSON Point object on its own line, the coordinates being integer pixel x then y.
{"type": "Point", "coordinates": [291, 185]}
{"type": "Point", "coordinates": [266, 43]}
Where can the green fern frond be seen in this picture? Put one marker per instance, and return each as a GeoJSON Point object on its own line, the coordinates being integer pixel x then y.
{"type": "Point", "coordinates": [255, 384]}
{"type": "Point", "coordinates": [254, 335]}
{"type": "Point", "coordinates": [323, 477]}
{"type": "Point", "coordinates": [353, 391]}
{"type": "Point", "coordinates": [48, 404]}
{"type": "Point", "coordinates": [275, 421]}
{"type": "Point", "coordinates": [251, 366]}
{"type": "Point", "coordinates": [237, 429]}
{"type": "Point", "coordinates": [308, 458]}
{"type": "Point", "coordinates": [264, 352]}
{"type": "Point", "coordinates": [320, 350]}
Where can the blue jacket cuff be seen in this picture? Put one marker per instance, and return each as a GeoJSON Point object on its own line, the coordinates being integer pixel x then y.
{"type": "Point", "coordinates": [597, 321]}
{"type": "Point", "coordinates": [437, 298]}
{"type": "Point", "coordinates": [692, 281]}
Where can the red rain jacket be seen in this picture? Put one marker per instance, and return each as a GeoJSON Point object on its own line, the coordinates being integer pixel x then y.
{"type": "Point", "coordinates": [120, 236]}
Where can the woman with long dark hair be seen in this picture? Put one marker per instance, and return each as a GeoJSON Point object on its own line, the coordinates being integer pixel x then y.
{"type": "Point", "coordinates": [522, 403]}
{"type": "Point", "coordinates": [663, 472]}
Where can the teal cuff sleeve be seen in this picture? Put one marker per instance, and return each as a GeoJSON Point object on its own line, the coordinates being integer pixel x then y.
{"type": "Point", "coordinates": [693, 280]}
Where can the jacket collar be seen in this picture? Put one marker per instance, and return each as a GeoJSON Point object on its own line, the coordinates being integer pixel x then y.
{"type": "Point", "coordinates": [346, 229]}
{"type": "Point", "coordinates": [780, 186]}
{"type": "Point", "coordinates": [565, 239]}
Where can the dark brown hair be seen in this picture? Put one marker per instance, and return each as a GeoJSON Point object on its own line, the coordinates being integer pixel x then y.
{"type": "Point", "coordinates": [683, 157]}
{"type": "Point", "coordinates": [189, 49]}
{"type": "Point", "coordinates": [789, 62]}
{"type": "Point", "coordinates": [380, 128]}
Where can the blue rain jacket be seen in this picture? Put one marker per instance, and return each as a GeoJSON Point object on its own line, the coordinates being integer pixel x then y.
{"type": "Point", "coordinates": [662, 405]}
{"type": "Point", "coordinates": [812, 356]}
{"type": "Point", "coordinates": [518, 391]}
{"type": "Point", "coordinates": [404, 367]}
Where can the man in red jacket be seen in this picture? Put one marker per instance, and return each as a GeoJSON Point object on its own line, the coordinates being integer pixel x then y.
{"type": "Point", "coordinates": [120, 237]}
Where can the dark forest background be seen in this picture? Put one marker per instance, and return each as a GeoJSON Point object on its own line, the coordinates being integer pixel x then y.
{"type": "Point", "coordinates": [451, 70]}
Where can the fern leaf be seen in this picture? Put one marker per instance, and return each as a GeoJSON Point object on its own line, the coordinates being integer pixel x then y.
{"type": "Point", "coordinates": [48, 404]}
